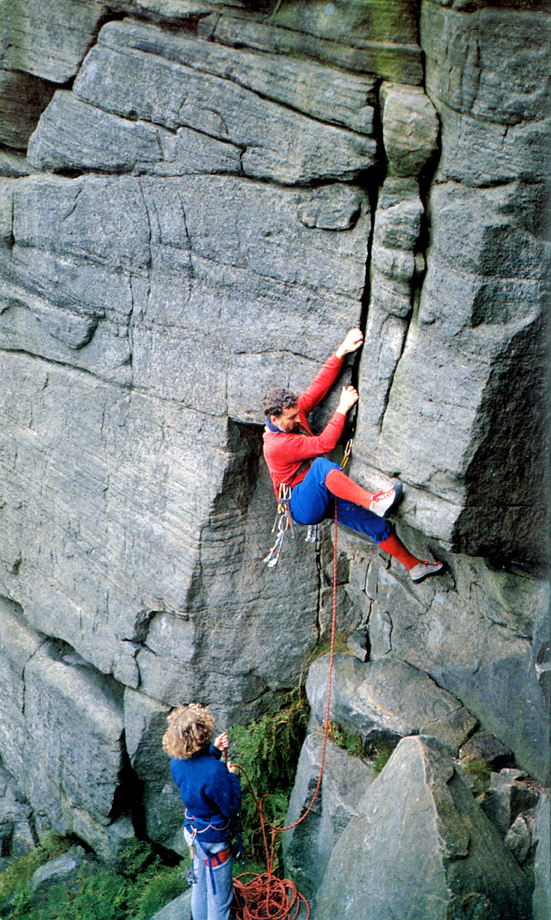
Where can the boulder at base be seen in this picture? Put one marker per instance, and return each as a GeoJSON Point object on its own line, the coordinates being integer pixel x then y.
{"type": "Point", "coordinates": [307, 846]}
{"type": "Point", "coordinates": [421, 849]}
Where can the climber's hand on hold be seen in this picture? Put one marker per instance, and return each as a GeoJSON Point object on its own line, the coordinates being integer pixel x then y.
{"type": "Point", "coordinates": [353, 341]}
{"type": "Point", "coordinates": [349, 398]}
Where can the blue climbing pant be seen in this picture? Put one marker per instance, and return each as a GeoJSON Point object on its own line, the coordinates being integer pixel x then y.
{"type": "Point", "coordinates": [312, 502]}
{"type": "Point", "coordinates": [212, 890]}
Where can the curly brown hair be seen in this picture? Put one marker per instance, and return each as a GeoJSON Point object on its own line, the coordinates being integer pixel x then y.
{"type": "Point", "coordinates": [278, 399]}
{"type": "Point", "coordinates": [189, 731]}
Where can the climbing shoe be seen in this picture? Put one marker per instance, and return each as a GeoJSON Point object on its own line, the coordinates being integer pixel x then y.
{"type": "Point", "coordinates": [384, 500]}
{"type": "Point", "coordinates": [423, 569]}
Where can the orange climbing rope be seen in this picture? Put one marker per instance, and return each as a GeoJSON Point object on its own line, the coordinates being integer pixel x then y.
{"type": "Point", "coordinates": [266, 897]}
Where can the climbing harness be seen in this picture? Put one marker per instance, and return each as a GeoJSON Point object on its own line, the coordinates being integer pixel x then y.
{"type": "Point", "coordinates": [266, 897]}
{"type": "Point", "coordinates": [207, 825]}
{"type": "Point", "coordinates": [284, 522]}
{"type": "Point", "coordinates": [212, 859]}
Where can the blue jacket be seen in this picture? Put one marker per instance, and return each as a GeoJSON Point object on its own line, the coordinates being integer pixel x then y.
{"type": "Point", "coordinates": [211, 794]}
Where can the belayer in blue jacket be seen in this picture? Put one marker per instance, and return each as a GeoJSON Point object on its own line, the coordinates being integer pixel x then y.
{"type": "Point", "coordinates": [211, 792]}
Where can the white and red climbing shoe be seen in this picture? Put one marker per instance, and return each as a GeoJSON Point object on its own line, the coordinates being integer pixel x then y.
{"type": "Point", "coordinates": [423, 570]}
{"type": "Point", "coordinates": [384, 500]}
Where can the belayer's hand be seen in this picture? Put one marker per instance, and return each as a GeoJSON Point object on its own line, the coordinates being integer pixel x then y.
{"type": "Point", "coordinates": [352, 342]}
{"type": "Point", "coordinates": [221, 743]}
{"type": "Point", "coordinates": [349, 398]}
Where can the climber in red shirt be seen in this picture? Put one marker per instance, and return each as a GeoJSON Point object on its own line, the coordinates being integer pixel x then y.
{"type": "Point", "coordinates": [295, 457]}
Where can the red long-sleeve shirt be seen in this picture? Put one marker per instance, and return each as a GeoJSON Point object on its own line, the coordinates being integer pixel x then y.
{"type": "Point", "coordinates": [285, 452]}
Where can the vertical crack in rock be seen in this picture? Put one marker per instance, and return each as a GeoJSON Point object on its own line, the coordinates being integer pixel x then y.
{"type": "Point", "coordinates": [147, 213]}
{"type": "Point", "coordinates": [319, 606]}
{"type": "Point", "coordinates": [373, 196]}
{"type": "Point", "coordinates": [79, 190]}
{"type": "Point", "coordinates": [130, 330]}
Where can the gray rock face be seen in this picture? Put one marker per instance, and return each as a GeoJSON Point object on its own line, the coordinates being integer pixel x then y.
{"type": "Point", "coordinates": [73, 729]}
{"type": "Point", "coordinates": [16, 834]}
{"type": "Point", "coordinates": [48, 40]}
{"type": "Point", "coordinates": [410, 128]}
{"type": "Point", "coordinates": [479, 152]}
{"type": "Point", "coordinates": [386, 696]}
{"type": "Point", "coordinates": [325, 93]}
{"type": "Point", "coordinates": [179, 909]}
{"type": "Point", "coordinates": [472, 294]}
{"type": "Point", "coordinates": [489, 620]}
{"type": "Point", "coordinates": [272, 142]}
{"type": "Point", "coordinates": [506, 801]}
{"type": "Point", "coordinates": [491, 62]}
{"type": "Point", "coordinates": [308, 847]}
{"type": "Point", "coordinates": [212, 195]}
{"type": "Point", "coordinates": [344, 34]}
{"type": "Point", "coordinates": [462, 862]}
{"type": "Point", "coordinates": [491, 171]}
{"type": "Point", "coordinates": [18, 644]}
{"type": "Point", "coordinates": [99, 279]}
{"type": "Point", "coordinates": [542, 890]}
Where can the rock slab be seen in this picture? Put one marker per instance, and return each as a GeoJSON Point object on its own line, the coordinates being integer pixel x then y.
{"type": "Point", "coordinates": [308, 847]}
{"type": "Point", "coordinates": [386, 696]}
{"type": "Point", "coordinates": [379, 870]}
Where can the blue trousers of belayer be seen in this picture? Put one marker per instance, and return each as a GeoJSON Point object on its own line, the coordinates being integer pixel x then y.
{"type": "Point", "coordinates": [312, 502]}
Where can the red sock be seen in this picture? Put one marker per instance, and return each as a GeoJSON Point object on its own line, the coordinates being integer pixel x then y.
{"type": "Point", "coordinates": [340, 485]}
{"type": "Point", "coordinates": [394, 546]}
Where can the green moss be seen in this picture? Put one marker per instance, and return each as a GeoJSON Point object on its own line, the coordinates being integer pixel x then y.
{"type": "Point", "coordinates": [479, 768]}
{"type": "Point", "coordinates": [382, 756]}
{"type": "Point", "coordinates": [324, 648]}
{"type": "Point", "coordinates": [353, 744]}
{"type": "Point", "coordinates": [136, 889]}
{"type": "Point", "coordinates": [14, 881]}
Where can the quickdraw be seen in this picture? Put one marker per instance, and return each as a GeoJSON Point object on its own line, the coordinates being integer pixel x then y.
{"type": "Point", "coordinates": [347, 452]}
{"type": "Point", "coordinates": [282, 524]}
{"type": "Point", "coordinates": [312, 534]}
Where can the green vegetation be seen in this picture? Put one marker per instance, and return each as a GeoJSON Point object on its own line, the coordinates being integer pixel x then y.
{"type": "Point", "coordinates": [324, 648]}
{"type": "Point", "coordinates": [479, 768]}
{"type": "Point", "coordinates": [268, 750]}
{"type": "Point", "coordinates": [378, 752]}
{"type": "Point", "coordinates": [353, 744]}
{"type": "Point", "coordinates": [135, 890]}
{"type": "Point", "coordinates": [14, 881]}
{"type": "Point", "coordinates": [382, 757]}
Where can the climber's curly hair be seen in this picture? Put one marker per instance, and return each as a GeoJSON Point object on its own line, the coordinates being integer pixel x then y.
{"type": "Point", "coordinates": [277, 400]}
{"type": "Point", "coordinates": [189, 731]}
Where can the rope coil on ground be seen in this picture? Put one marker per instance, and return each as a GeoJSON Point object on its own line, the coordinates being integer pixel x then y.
{"type": "Point", "coordinates": [266, 897]}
